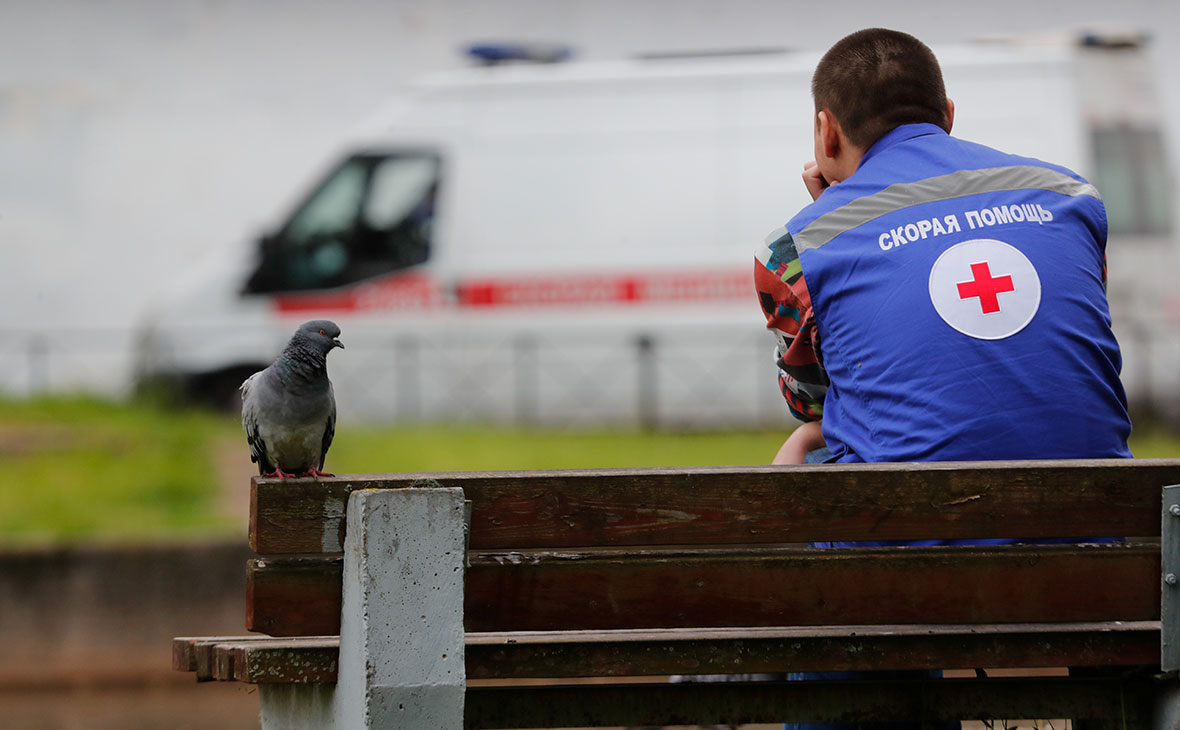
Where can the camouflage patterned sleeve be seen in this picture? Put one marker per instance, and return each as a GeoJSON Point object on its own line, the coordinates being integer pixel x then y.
{"type": "Point", "coordinates": [778, 278]}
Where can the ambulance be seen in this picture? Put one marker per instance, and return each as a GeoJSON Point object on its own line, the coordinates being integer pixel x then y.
{"type": "Point", "coordinates": [545, 241]}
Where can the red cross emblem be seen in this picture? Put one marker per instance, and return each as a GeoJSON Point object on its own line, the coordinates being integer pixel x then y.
{"type": "Point", "coordinates": [986, 287]}
{"type": "Point", "coordinates": [973, 260]}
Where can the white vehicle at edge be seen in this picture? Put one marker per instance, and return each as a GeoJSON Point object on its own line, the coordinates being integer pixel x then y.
{"type": "Point", "coordinates": [573, 242]}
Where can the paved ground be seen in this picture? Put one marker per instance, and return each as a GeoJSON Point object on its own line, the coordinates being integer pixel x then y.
{"type": "Point", "coordinates": [179, 704]}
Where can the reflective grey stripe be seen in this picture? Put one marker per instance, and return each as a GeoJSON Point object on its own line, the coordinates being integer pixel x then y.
{"type": "Point", "coordinates": [934, 189]}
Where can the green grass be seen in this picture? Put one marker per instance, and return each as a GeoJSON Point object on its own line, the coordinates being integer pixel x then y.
{"type": "Point", "coordinates": [80, 468]}
{"type": "Point", "coordinates": [1155, 443]}
{"type": "Point", "coordinates": [479, 448]}
{"type": "Point", "coordinates": [76, 468]}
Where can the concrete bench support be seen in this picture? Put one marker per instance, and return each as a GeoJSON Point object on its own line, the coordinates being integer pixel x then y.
{"type": "Point", "coordinates": [401, 633]}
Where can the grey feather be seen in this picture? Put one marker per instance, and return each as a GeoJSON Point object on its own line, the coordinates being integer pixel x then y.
{"type": "Point", "coordinates": [289, 408]}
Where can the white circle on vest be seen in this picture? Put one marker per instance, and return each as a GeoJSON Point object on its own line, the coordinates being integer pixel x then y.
{"type": "Point", "coordinates": [985, 288]}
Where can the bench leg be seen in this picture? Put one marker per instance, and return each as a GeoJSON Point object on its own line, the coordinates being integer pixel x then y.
{"type": "Point", "coordinates": [401, 622]}
{"type": "Point", "coordinates": [296, 706]}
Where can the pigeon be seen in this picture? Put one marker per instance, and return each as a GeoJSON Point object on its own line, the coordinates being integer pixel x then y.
{"type": "Point", "coordinates": [289, 409]}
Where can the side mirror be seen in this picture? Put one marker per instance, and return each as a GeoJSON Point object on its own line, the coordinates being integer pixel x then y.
{"type": "Point", "coordinates": [265, 277]}
{"type": "Point", "coordinates": [267, 243]}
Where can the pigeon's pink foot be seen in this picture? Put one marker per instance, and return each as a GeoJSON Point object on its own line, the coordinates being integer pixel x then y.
{"type": "Point", "coordinates": [315, 473]}
{"type": "Point", "coordinates": [278, 472]}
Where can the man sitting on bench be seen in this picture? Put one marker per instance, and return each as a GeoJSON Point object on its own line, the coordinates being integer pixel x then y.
{"type": "Point", "coordinates": [939, 300]}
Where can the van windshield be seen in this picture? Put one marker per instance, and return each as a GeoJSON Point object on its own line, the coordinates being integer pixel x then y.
{"type": "Point", "coordinates": [372, 215]}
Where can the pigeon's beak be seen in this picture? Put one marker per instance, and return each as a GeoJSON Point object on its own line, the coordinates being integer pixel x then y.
{"type": "Point", "coordinates": [337, 343]}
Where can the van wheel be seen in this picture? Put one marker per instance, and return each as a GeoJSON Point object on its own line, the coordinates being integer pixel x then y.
{"type": "Point", "coordinates": [219, 389]}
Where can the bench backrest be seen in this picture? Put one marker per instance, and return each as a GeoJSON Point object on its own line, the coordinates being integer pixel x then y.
{"type": "Point", "coordinates": [723, 547]}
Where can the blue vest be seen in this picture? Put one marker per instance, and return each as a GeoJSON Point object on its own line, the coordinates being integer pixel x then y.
{"type": "Point", "coordinates": [959, 297]}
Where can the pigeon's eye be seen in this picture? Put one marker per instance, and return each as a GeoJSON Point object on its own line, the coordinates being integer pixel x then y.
{"type": "Point", "coordinates": [323, 332]}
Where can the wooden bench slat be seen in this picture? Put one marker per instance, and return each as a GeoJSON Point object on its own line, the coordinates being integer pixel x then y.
{"type": "Point", "coordinates": [856, 701]}
{"type": "Point", "coordinates": [184, 650]}
{"type": "Point", "coordinates": [702, 588]}
{"type": "Point", "coordinates": [309, 660]}
{"type": "Point", "coordinates": [571, 508]}
{"type": "Point", "coordinates": [620, 653]}
{"type": "Point", "coordinates": [294, 596]}
{"type": "Point", "coordinates": [511, 655]}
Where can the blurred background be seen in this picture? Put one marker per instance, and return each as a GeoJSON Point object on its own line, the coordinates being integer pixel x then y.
{"type": "Point", "coordinates": [171, 181]}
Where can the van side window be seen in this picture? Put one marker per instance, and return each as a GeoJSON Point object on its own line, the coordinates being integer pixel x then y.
{"type": "Point", "coordinates": [1130, 171]}
{"type": "Point", "coordinates": [373, 215]}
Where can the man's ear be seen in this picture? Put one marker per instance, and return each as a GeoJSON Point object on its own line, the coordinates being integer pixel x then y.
{"type": "Point", "coordinates": [829, 133]}
{"type": "Point", "coordinates": [950, 114]}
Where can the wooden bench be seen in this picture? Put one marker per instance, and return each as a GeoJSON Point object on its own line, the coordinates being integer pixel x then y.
{"type": "Point", "coordinates": [635, 575]}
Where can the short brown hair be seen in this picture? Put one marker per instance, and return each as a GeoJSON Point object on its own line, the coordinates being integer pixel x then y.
{"type": "Point", "coordinates": [877, 79]}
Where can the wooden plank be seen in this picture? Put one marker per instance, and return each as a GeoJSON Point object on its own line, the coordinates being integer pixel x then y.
{"type": "Point", "coordinates": [308, 660]}
{"type": "Point", "coordinates": [771, 586]}
{"type": "Point", "coordinates": [222, 657]}
{"type": "Point", "coordinates": [755, 505]}
{"type": "Point", "coordinates": [504, 655]}
{"type": "Point", "coordinates": [294, 596]}
{"type": "Point", "coordinates": [862, 701]}
{"type": "Point", "coordinates": [567, 654]}
{"type": "Point", "coordinates": [185, 648]}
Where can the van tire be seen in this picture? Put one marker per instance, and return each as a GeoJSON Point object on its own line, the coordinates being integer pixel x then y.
{"type": "Point", "coordinates": [219, 389]}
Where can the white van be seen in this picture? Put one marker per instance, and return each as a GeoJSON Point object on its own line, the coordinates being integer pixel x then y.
{"type": "Point", "coordinates": [573, 242]}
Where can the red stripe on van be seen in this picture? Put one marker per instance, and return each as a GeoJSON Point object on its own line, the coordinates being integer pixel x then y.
{"type": "Point", "coordinates": [605, 289]}
{"type": "Point", "coordinates": [419, 291]}
{"type": "Point", "coordinates": [401, 291]}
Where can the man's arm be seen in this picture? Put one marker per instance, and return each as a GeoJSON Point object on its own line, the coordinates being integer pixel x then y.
{"type": "Point", "coordinates": [803, 440]}
{"type": "Point", "coordinates": [786, 303]}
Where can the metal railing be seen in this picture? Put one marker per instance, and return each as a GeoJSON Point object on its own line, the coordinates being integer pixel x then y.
{"type": "Point", "coordinates": [711, 379]}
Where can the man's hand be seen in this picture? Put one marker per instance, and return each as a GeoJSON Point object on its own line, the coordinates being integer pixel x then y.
{"type": "Point", "coordinates": [813, 179]}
